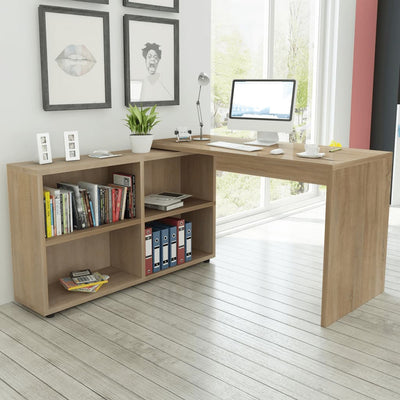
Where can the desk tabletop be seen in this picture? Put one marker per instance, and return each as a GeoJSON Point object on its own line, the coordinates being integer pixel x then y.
{"type": "Point", "coordinates": [285, 166]}
{"type": "Point", "coordinates": [337, 159]}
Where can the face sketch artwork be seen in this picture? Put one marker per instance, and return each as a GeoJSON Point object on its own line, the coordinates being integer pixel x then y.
{"type": "Point", "coordinates": [76, 60]}
{"type": "Point", "coordinates": [152, 56]}
{"type": "Point", "coordinates": [153, 87]}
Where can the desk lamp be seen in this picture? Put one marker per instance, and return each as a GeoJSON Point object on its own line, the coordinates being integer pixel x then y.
{"type": "Point", "coordinates": [203, 80]}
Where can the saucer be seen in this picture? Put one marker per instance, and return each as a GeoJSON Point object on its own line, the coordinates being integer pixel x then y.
{"type": "Point", "coordinates": [305, 155]}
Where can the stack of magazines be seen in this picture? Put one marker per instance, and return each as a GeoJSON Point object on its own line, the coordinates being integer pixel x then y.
{"type": "Point", "coordinates": [165, 201]}
{"type": "Point", "coordinates": [84, 281]}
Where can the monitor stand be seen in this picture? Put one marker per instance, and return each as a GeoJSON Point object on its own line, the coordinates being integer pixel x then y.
{"type": "Point", "coordinates": [265, 139]}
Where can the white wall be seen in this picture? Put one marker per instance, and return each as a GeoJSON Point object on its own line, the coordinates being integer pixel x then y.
{"type": "Point", "coordinates": [336, 80]}
{"type": "Point", "coordinates": [344, 71]}
{"type": "Point", "coordinates": [21, 113]}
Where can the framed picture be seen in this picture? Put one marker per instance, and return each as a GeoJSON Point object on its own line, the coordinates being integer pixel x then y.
{"type": "Point", "coordinates": [71, 143]}
{"type": "Point", "coordinates": [44, 148]}
{"type": "Point", "coordinates": [96, 1]}
{"type": "Point", "coordinates": [151, 50]}
{"type": "Point", "coordinates": [75, 58]}
{"type": "Point", "coordinates": [159, 5]}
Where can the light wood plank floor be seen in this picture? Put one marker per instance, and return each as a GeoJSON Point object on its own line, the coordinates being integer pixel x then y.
{"type": "Point", "coordinates": [245, 326]}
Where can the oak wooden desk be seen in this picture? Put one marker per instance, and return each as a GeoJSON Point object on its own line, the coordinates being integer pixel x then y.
{"type": "Point", "coordinates": [357, 211]}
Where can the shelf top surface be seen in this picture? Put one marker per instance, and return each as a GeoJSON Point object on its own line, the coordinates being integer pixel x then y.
{"type": "Point", "coordinates": [59, 165]}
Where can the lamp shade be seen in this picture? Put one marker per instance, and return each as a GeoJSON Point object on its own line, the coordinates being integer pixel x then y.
{"type": "Point", "coordinates": [203, 79]}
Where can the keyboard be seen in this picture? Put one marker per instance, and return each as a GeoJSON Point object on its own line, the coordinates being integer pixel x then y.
{"type": "Point", "coordinates": [235, 146]}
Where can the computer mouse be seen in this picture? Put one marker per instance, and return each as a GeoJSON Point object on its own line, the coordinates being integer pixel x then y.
{"type": "Point", "coordinates": [276, 151]}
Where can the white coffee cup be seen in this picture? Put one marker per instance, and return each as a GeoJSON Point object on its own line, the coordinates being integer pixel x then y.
{"type": "Point", "coordinates": [311, 149]}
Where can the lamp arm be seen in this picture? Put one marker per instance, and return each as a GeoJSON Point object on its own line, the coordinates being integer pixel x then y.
{"type": "Point", "coordinates": [199, 114]}
{"type": "Point", "coordinates": [198, 97]}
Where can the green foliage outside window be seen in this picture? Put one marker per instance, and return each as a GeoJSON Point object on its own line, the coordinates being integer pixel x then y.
{"type": "Point", "coordinates": [238, 52]}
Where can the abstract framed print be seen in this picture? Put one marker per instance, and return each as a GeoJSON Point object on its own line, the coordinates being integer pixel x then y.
{"type": "Point", "coordinates": [71, 144]}
{"type": "Point", "coordinates": [44, 148]}
{"type": "Point", "coordinates": [159, 5]}
{"type": "Point", "coordinates": [75, 58]}
{"type": "Point", "coordinates": [151, 53]}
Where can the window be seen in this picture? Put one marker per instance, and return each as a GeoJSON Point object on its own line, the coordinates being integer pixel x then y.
{"type": "Point", "coordinates": [262, 39]}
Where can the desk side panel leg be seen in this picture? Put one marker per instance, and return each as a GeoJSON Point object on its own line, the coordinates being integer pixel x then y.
{"type": "Point", "coordinates": [356, 228]}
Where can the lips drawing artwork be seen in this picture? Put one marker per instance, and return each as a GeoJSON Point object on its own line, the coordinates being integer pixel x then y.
{"type": "Point", "coordinates": [76, 60]}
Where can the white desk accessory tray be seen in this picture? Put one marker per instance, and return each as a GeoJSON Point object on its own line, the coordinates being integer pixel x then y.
{"type": "Point", "coordinates": [103, 154]}
{"type": "Point", "coordinates": [305, 155]}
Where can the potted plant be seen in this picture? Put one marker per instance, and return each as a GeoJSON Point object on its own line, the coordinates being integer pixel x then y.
{"type": "Point", "coordinates": [141, 122]}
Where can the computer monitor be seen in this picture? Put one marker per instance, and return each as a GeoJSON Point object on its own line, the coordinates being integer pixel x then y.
{"type": "Point", "coordinates": [262, 105]}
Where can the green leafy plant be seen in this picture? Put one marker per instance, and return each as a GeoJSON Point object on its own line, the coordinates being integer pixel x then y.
{"type": "Point", "coordinates": [141, 121]}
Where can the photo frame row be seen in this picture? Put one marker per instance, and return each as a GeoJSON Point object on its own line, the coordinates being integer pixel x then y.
{"type": "Point", "coordinates": [75, 59]}
{"type": "Point", "coordinates": [71, 146]}
{"type": "Point", "coordinates": [159, 5]}
{"type": "Point", "coordinates": [96, 1]}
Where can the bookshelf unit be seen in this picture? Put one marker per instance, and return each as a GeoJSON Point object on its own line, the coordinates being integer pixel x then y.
{"type": "Point", "coordinates": [116, 249]}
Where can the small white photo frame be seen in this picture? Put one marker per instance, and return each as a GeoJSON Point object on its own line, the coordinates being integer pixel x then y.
{"type": "Point", "coordinates": [71, 143]}
{"type": "Point", "coordinates": [44, 148]}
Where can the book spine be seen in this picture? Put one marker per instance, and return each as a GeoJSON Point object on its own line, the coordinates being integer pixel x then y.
{"type": "Point", "coordinates": [85, 211]}
{"type": "Point", "coordinates": [57, 196]}
{"type": "Point", "coordinates": [110, 205]}
{"type": "Point", "coordinates": [92, 213]}
{"type": "Point", "coordinates": [106, 199]}
{"type": "Point", "coordinates": [155, 207]}
{"type": "Point", "coordinates": [86, 197]}
{"type": "Point", "coordinates": [71, 211]}
{"type": "Point", "coordinates": [118, 203]}
{"type": "Point", "coordinates": [156, 251]}
{"type": "Point", "coordinates": [113, 205]}
{"type": "Point", "coordinates": [64, 213]}
{"type": "Point", "coordinates": [133, 196]}
{"type": "Point", "coordinates": [47, 213]}
{"type": "Point", "coordinates": [188, 241]}
{"type": "Point", "coordinates": [102, 206]}
{"type": "Point", "coordinates": [173, 246]}
{"type": "Point", "coordinates": [123, 203]}
{"type": "Point", "coordinates": [148, 251]}
{"type": "Point", "coordinates": [52, 215]}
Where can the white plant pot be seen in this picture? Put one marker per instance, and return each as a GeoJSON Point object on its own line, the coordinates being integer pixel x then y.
{"type": "Point", "coordinates": [141, 143]}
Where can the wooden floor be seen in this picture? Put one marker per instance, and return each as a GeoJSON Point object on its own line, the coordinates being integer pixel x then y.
{"type": "Point", "coordinates": [245, 326]}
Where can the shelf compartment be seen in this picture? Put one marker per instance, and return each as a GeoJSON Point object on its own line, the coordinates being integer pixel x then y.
{"type": "Point", "coordinates": [88, 232]}
{"type": "Point", "coordinates": [198, 256]}
{"type": "Point", "coordinates": [121, 249]}
{"type": "Point", "coordinates": [192, 174]}
{"type": "Point", "coordinates": [190, 204]}
{"type": "Point", "coordinates": [60, 298]}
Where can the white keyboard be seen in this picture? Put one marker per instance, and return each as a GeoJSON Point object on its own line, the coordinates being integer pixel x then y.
{"type": "Point", "coordinates": [235, 146]}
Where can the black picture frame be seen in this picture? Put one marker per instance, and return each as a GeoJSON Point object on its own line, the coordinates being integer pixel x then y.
{"type": "Point", "coordinates": [147, 84]}
{"type": "Point", "coordinates": [66, 83]}
{"type": "Point", "coordinates": [96, 1]}
{"type": "Point", "coordinates": [150, 6]}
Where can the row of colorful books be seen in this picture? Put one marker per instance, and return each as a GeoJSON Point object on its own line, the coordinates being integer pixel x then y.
{"type": "Point", "coordinates": [85, 204]}
{"type": "Point", "coordinates": [168, 242]}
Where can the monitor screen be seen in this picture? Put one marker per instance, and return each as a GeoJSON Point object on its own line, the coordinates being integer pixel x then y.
{"type": "Point", "coordinates": [264, 99]}
{"type": "Point", "coordinates": [262, 105]}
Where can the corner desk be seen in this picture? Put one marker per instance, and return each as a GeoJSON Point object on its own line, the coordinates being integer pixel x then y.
{"type": "Point", "coordinates": [357, 211]}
